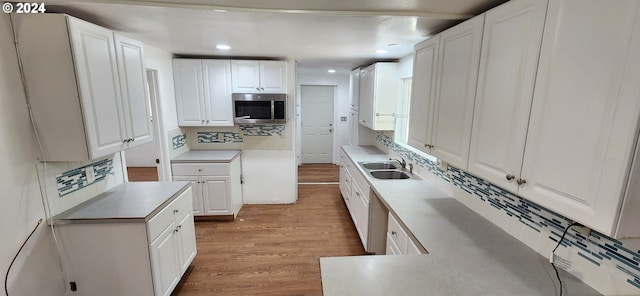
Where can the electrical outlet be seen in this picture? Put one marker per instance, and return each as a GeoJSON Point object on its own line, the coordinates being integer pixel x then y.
{"type": "Point", "coordinates": [90, 173]}
{"type": "Point", "coordinates": [584, 230]}
{"type": "Point", "coordinates": [443, 165]}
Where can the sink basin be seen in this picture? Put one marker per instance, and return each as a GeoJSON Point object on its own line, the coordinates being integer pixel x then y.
{"type": "Point", "coordinates": [380, 165]}
{"type": "Point", "coordinates": [389, 175]}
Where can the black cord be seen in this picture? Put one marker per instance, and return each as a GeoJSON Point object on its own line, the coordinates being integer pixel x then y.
{"type": "Point", "coordinates": [6, 278]}
{"type": "Point", "coordinates": [554, 251]}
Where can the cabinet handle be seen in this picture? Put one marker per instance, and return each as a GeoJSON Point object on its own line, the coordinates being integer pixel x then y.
{"type": "Point", "coordinates": [257, 88]}
{"type": "Point", "coordinates": [203, 121]}
{"type": "Point", "coordinates": [510, 177]}
{"type": "Point", "coordinates": [262, 88]}
{"type": "Point", "coordinates": [208, 121]}
{"type": "Point", "coordinates": [357, 193]}
{"type": "Point", "coordinates": [199, 170]}
{"type": "Point", "coordinates": [176, 211]}
{"type": "Point", "coordinates": [176, 230]}
{"type": "Point", "coordinates": [393, 232]}
{"type": "Point", "coordinates": [132, 139]}
{"type": "Point", "coordinates": [521, 181]}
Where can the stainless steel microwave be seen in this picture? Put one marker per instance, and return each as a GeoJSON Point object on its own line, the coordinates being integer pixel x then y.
{"type": "Point", "coordinates": [259, 108]}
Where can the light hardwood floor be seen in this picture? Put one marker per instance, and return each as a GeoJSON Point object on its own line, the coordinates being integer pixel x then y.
{"type": "Point", "coordinates": [139, 174]}
{"type": "Point", "coordinates": [273, 249]}
{"type": "Point", "coordinates": [318, 173]}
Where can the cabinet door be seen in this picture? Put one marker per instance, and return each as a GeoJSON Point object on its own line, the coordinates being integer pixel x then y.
{"type": "Point", "coordinates": [186, 238]}
{"type": "Point", "coordinates": [392, 248]}
{"type": "Point", "coordinates": [217, 92]}
{"type": "Point", "coordinates": [412, 249]}
{"type": "Point", "coordinates": [133, 85]}
{"type": "Point", "coordinates": [425, 70]}
{"type": "Point", "coordinates": [354, 88]}
{"type": "Point", "coordinates": [585, 111]}
{"type": "Point", "coordinates": [273, 77]}
{"type": "Point", "coordinates": [245, 76]}
{"type": "Point", "coordinates": [97, 74]}
{"type": "Point", "coordinates": [198, 201]}
{"type": "Point", "coordinates": [354, 128]}
{"type": "Point", "coordinates": [366, 97]}
{"type": "Point", "coordinates": [165, 262]}
{"type": "Point", "coordinates": [508, 63]}
{"type": "Point", "coordinates": [190, 104]}
{"type": "Point", "coordinates": [361, 213]}
{"type": "Point", "coordinates": [456, 91]}
{"type": "Point", "coordinates": [216, 195]}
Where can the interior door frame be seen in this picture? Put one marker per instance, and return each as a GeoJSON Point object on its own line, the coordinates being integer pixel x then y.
{"type": "Point", "coordinates": [160, 136]}
{"type": "Point", "coordinates": [299, 121]}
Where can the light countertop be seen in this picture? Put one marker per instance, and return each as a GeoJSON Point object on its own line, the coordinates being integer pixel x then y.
{"type": "Point", "coordinates": [206, 156]}
{"type": "Point", "coordinates": [128, 202]}
{"type": "Point", "coordinates": [468, 255]}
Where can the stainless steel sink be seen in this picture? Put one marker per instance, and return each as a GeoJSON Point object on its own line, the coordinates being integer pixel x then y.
{"type": "Point", "coordinates": [390, 174]}
{"type": "Point", "coordinates": [380, 165]}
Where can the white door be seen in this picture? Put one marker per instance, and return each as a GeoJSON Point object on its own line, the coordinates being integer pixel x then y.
{"type": "Point", "coordinates": [186, 236]}
{"type": "Point", "coordinates": [187, 76]}
{"type": "Point", "coordinates": [97, 71]}
{"type": "Point", "coordinates": [317, 123]}
{"type": "Point", "coordinates": [585, 110]}
{"type": "Point", "coordinates": [216, 193]}
{"type": "Point", "coordinates": [133, 85]}
{"type": "Point", "coordinates": [508, 64]}
{"type": "Point", "coordinates": [456, 91]}
{"type": "Point", "coordinates": [245, 76]}
{"type": "Point", "coordinates": [217, 92]}
{"type": "Point", "coordinates": [425, 70]}
{"type": "Point", "coordinates": [165, 261]}
{"type": "Point", "coordinates": [273, 77]}
{"type": "Point", "coordinates": [198, 200]}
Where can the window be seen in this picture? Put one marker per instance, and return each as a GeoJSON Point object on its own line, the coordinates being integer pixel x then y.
{"type": "Point", "coordinates": [402, 115]}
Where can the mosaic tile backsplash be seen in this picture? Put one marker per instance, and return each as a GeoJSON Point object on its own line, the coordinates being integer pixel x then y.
{"type": "Point", "coordinates": [238, 137]}
{"type": "Point", "coordinates": [76, 179]}
{"type": "Point", "coordinates": [179, 141]}
{"type": "Point", "coordinates": [595, 248]}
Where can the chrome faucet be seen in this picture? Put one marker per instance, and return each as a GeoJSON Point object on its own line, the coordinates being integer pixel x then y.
{"type": "Point", "coordinates": [411, 168]}
{"type": "Point", "coordinates": [402, 163]}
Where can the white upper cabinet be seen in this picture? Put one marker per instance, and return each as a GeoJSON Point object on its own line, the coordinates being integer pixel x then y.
{"type": "Point", "coordinates": [425, 70]}
{"type": "Point", "coordinates": [259, 76]}
{"type": "Point", "coordinates": [86, 88]}
{"type": "Point", "coordinates": [459, 57]}
{"type": "Point", "coordinates": [583, 129]}
{"type": "Point", "coordinates": [379, 84]}
{"type": "Point", "coordinates": [508, 63]}
{"type": "Point", "coordinates": [133, 85]}
{"type": "Point", "coordinates": [203, 92]}
{"type": "Point", "coordinates": [354, 89]}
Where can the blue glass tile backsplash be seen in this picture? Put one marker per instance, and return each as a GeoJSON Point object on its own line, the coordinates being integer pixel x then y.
{"type": "Point", "coordinates": [179, 141]}
{"type": "Point", "coordinates": [76, 179]}
{"type": "Point", "coordinates": [595, 248]}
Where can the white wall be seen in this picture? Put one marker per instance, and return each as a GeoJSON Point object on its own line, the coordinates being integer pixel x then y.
{"type": "Point", "coordinates": [340, 79]}
{"type": "Point", "coordinates": [405, 66]}
{"type": "Point", "coordinates": [37, 271]}
{"type": "Point", "coordinates": [142, 156]}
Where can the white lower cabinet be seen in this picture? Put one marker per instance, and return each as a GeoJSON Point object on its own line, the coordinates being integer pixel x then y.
{"type": "Point", "coordinates": [112, 257]}
{"type": "Point", "coordinates": [398, 240]}
{"type": "Point", "coordinates": [355, 191]}
{"type": "Point", "coordinates": [217, 186]}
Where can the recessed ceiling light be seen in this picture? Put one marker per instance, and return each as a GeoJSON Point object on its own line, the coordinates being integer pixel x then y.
{"type": "Point", "coordinates": [382, 51]}
{"type": "Point", "coordinates": [223, 47]}
{"type": "Point", "coordinates": [331, 71]}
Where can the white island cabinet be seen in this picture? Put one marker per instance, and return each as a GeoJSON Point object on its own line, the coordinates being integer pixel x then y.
{"type": "Point", "coordinates": [136, 239]}
{"type": "Point", "coordinates": [86, 87]}
{"type": "Point", "coordinates": [216, 178]}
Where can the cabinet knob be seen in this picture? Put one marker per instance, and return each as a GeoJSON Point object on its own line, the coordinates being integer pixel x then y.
{"type": "Point", "coordinates": [203, 121]}
{"type": "Point", "coordinates": [393, 232]}
{"type": "Point", "coordinates": [257, 88]}
{"type": "Point", "coordinates": [510, 177]}
{"type": "Point", "coordinates": [521, 181]}
{"type": "Point", "coordinates": [208, 121]}
{"type": "Point", "coordinates": [262, 88]}
{"type": "Point", "coordinates": [199, 170]}
{"type": "Point", "coordinates": [176, 211]}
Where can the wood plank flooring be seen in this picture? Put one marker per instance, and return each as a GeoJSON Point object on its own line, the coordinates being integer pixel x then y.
{"type": "Point", "coordinates": [273, 249]}
{"type": "Point", "coordinates": [141, 174]}
{"type": "Point", "coordinates": [310, 173]}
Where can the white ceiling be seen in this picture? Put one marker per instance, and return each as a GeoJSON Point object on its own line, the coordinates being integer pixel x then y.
{"type": "Point", "coordinates": [327, 33]}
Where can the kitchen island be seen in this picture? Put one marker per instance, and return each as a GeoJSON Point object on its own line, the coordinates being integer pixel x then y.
{"type": "Point", "coordinates": [468, 255]}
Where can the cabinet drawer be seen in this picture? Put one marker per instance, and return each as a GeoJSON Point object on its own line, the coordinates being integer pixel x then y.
{"type": "Point", "coordinates": [166, 216]}
{"type": "Point", "coordinates": [392, 248]}
{"type": "Point", "coordinates": [200, 169]}
{"type": "Point", "coordinates": [397, 233]}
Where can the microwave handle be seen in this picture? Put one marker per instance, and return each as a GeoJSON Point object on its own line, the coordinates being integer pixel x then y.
{"type": "Point", "coordinates": [244, 117]}
{"type": "Point", "coordinates": [273, 110]}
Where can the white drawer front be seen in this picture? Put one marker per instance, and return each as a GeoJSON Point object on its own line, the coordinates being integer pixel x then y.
{"type": "Point", "coordinates": [166, 216]}
{"type": "Point", "coordinates": [396, 232]}
{"type": "Point", "coordinates": [200, 169]}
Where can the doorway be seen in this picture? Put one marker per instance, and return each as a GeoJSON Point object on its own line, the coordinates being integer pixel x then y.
{"type": "Point", "coordinates": [317, 123]}
{"type": "Point", "coordinates": [143, 162]}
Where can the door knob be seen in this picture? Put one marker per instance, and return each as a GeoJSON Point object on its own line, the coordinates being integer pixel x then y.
{"type": "Point", "coordinates": [510, 177]}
